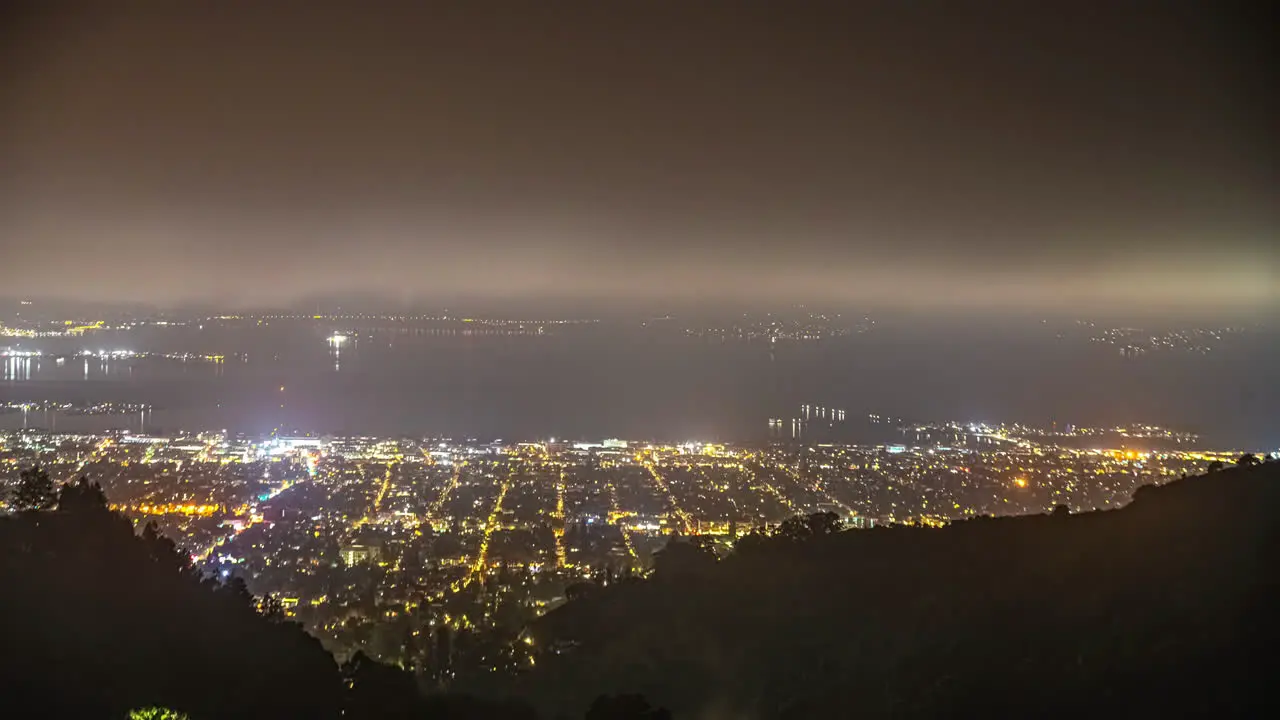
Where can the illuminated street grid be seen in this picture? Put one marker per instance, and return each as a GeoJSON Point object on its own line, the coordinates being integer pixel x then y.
{"type": "Point", "coordinates": [357, 535]}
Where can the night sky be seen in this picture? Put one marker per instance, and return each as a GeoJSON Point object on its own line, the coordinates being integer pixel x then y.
{"type": "Point", "coordinates": [1060, 155]}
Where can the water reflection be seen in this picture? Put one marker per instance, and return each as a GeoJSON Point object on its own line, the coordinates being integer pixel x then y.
{"type": "Point", "coordinates": [491, 384]}
{"type": "Point", "coordinates": [336, 342]}
{"type": "Point", "coordinates": [18, 368]}
{"type": "Point", "coordinates": [34, 417]}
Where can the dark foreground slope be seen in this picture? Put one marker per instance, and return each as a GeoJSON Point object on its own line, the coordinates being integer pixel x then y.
{"type": "Point", "coordinates": [1154, 608]}
{"type": "Point", "coordinates": [97, 621]}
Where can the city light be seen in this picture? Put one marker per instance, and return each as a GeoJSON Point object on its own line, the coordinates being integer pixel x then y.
{"type": "Point", "coordinates": [475, 524]}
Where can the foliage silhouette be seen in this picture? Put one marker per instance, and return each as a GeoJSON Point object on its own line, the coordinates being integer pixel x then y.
{"type": "Point", "coordinates": [81, 497]}
{"type": "Point", "coordinates": [379, 691]}
{"type": "Point", "coordinates": [625, 707]}
{"type": "Point", "coordinates": [34, 491]}
{"type": "Point", "coordinates": [681, 558]}
{"type": "Point", "coordinates": [752, 542]}
{"type": "Point", "coordinates": [805, 527]}
{"type": "Point", "coordinates": [579, 590]}
{"type": "Point", "coordinates": [272, 608]}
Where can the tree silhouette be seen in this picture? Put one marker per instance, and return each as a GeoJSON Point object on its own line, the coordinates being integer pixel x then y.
{"type": "Point", "coordinates": [751, 542]}
{"type": "Point", "coordinates": [580, 590]}
{"type": "Point", "coordinates": [1215, 466]}
{"type": "Point", "coordinates": [35, 491]}
{"type": "Point", "coordinates": [162, 551]}
{"type": "Point", "coordinates": [379, 691]}
{"type": "Point", "coordinates": [803, 527]}
{"type": "Point", "coordinates": [1248, 460]}
{"type": "Point", "coordinates": [81, 496]}
{"type": "Point", "coordinates": [271, 607]}
{"type": "Point", "coordinates": [625, 707]}
{"type": "Point", "coordinates": [682, 557]}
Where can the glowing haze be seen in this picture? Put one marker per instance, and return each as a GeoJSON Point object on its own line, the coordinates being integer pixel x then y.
{"type": "Point", "coordinates": [1095, 154]}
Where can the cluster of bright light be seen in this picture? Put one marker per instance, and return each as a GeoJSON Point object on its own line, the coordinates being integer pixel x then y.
{"type": "Point", "coordinates": [117, 354]}
{"type": "Point", "coordinates": [433, 510]}
{"type": "Point", "coordinates": [71, 329]}
{"type": "Point", "coordinates": [558, 529]}
{"type": "Point", "coordinates": [491, 524]}
{"type": "Point", "coordinates": [616, 515]}
{"type": "Point", "coordinates": [171, 509]}
{"type": "Point", "coordinates": [685, 521]}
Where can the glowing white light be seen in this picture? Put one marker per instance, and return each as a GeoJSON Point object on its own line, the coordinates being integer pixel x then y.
{"type": "Point", "coordinates": [337, 339]}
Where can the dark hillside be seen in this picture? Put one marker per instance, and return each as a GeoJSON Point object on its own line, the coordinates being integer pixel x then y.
{"type": "Point", "coordinates": [1156, 607]}
{"type": "Point", "coordinates": [98, 621]}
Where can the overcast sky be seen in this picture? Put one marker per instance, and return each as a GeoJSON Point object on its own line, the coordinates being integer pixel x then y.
{"type": "Point", "coordinates": [949, 154]}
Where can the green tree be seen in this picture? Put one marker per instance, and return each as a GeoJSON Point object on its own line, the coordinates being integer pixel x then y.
{"type": "Point", "coordinates": [35, 491]}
